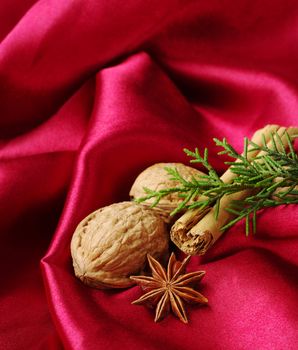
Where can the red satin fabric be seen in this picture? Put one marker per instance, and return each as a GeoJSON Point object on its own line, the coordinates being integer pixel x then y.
{"type": "Point", "coordinates": [92, 92]}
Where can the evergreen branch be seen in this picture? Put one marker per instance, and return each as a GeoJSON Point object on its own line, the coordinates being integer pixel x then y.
{"type": "Point", "coordinates": [272, 176]}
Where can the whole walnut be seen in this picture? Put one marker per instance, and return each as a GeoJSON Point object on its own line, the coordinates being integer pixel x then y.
{"type": "Point", "coordinates": [156, 178]}
{"type": "Point", "coordinates": [112, 243]}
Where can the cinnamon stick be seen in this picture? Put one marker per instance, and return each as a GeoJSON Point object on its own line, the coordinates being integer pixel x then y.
{"type": "Point", "coordinates": [197, 230]}
{"type": "Point", "coordinates": [192, 217]}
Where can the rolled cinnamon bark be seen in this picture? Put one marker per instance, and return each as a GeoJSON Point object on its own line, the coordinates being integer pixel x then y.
{"type": "Point", "coordinates": [196, 231]}
{"type": "Point", "coordinates": [184, 224]}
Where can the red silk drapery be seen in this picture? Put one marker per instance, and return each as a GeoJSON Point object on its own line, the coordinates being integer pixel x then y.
{"type": "Point", "coordinates": [92, 92]}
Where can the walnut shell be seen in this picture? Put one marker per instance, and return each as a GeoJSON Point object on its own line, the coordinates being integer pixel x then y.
{"type": "Point", "coordinates": [112, 243]}
{"type": "Point", "coordinates": [156, 178]}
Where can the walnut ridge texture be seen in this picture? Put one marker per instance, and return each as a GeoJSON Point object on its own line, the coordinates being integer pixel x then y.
{"type": "Point", "coordinates": [155, 177]}
{"type": "Point", "coordinates": [112, 243]}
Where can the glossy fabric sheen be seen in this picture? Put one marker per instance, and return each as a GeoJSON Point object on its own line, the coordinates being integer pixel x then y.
{"type": "Point", "coordinates": [91, 93]}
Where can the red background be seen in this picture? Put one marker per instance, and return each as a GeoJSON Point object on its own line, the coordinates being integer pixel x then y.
{"type": "Point", "coordinates": [92, 92]}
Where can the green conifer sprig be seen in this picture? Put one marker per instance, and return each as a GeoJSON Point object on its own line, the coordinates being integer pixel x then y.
{"type": "Point", "coordinates": [272, 176]}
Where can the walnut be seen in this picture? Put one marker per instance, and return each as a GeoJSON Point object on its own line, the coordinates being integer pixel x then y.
{"type": "Point", "coordinates": [112, 243]}
{"type": "Point", "coordinates": [156, 178]}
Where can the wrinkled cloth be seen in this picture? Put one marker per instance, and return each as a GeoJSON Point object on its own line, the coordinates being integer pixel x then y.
{"type": "Point", "coordinates": [91, 93]}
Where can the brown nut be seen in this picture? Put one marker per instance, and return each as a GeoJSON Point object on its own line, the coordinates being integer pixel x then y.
{"type": "Point", "coordinates": [112, 243]}
{"type": "Point", "coordinates": [156, 178]}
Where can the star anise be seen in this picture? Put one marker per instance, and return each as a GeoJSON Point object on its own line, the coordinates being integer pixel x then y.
{"type": "Point", "coordinates": [169, 289]}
